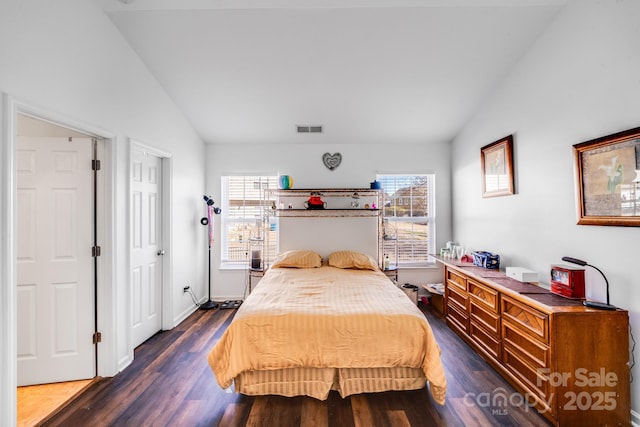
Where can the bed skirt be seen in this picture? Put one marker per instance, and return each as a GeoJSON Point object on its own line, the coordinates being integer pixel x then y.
{"type": "Point", "coordinates": [318, 382]}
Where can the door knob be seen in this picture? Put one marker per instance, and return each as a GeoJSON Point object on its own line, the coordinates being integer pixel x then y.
{"type": "Point", "coordinates": [161, 252]}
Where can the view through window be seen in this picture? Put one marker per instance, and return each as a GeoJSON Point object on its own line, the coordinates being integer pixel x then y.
{"type": "Point", "coordinates": [409, 218]}
{"type": "Point", "coordinates": [244, 228]}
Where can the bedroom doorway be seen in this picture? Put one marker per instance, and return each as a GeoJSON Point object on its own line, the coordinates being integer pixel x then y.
{"type": "Point", "coordinates": [56, 273]}
{"type": "Point", "coordinates": [12, 112]}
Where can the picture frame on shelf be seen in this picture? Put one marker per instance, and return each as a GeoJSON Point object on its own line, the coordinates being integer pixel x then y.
{"type": "Point", "coordinates": [496, 160]}
{"type": "Point", "coordinates": [607, 177]}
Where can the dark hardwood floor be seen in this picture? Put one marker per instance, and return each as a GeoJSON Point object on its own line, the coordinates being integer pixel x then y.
{"type": "Point", "coordinates": [170, 384]}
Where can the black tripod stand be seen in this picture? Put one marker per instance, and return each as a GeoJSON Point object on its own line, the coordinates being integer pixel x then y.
{"type": "Point", "coordinates": [211, 210]}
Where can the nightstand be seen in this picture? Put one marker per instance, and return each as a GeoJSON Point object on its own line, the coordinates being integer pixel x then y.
{"type": "Point", "coordinates": [255, 274]}
{"type": "Point", "coordinates": [392, 273]}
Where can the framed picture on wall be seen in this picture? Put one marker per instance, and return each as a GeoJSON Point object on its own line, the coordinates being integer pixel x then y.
{"type": "Point", "coordinates": [607, 173]}
{"type": "Point", "coordinates": [496, 160]}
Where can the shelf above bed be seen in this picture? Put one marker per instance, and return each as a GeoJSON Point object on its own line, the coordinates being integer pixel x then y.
{"type": "Point", "coordinates": [351, 217]}
{"type": "Point", "coordinates": [338, 202]}
{"type": "Point", "coordinates": [331, 213]}
{"type": "Point", "coordinates": [331, 192]}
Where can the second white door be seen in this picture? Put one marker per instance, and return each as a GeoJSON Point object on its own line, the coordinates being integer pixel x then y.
{"type": "Point", "coordinates": [146, 245]}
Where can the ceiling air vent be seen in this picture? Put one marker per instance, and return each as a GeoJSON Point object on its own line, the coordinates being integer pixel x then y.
{"type": "Point", "coordinates": [309, 129]}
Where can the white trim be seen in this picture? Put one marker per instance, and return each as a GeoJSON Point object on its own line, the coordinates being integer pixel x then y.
{"type": "Point", "coordinates": [127, 358]}
{"type": "Point", "coordinates": [635, 418]}
{"type": "Point", "coordinates": [107, 365]}
{"type": "Point", "coordinates": [8, 332]}
{"type": "Point", "coordinates": [167, 321]}
{"type": "Point", "coordinates": [107, 292]}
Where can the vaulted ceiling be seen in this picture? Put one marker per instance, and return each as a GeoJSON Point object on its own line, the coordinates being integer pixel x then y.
{"type": "Point", "coordinates": [368, 71]}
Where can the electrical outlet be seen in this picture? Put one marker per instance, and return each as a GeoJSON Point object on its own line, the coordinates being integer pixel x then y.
{"type": "Point", "coordinates": [185, 289]}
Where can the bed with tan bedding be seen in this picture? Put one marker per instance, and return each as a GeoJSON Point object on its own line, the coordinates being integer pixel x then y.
{"type": "Point", "coordinates": [306, 331]}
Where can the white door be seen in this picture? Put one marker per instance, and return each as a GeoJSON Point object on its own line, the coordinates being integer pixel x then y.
{"type": "Point", "coordinates": [55, 267]}
{"type": "Point", "coordinates": [146, 245]}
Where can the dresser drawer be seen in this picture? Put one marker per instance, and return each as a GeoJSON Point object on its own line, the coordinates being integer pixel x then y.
{"type": "Point", "coordinates": [457, 297]}
{"type": "Point", "coordinates": [530, 349]}
{"type": "Point", "coordinates": [484, 294]}
{"type": "Point", "coordinates": [454, 279]}
{"type": "Point", "coordinates": [526, 319]}
{"type": "Point", "coordinates": [488, 341]}
{"type": "Point", "coordinates": [489, 320]}
{"type": "Point", "coordinates": [534, 378]}
{"type": "Point", "coordinates": [458, 318]}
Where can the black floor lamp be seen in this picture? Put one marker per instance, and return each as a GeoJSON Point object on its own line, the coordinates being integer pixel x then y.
{"type": "Point", "coordinates": [208, 221]}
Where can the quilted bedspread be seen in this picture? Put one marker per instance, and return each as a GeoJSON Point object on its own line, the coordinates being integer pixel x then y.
{"type": "Point", "coordinates": [327, 317]}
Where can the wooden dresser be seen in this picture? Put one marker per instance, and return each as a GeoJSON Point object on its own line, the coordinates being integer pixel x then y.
{"type": "Point", "coordinates": [570, 362]}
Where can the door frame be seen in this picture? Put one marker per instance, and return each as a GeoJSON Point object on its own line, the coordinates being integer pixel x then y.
{"type": "Point", "coordinates": [105, 292]}
{"type": "Point", "coordinates": [167, 261]}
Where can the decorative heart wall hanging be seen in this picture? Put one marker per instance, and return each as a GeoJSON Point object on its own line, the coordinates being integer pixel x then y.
{"type": "Point", "coordinates": [332, 161]}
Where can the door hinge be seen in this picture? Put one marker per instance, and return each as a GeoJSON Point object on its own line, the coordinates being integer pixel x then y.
{"type": "Point", "coordinates": [95, 165]}
{"type": "Point", "coordinates": [97, 337]}
{"type": "Point", "coordinates": [95, 251]}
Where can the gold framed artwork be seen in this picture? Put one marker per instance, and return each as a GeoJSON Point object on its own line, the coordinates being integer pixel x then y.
{"type": "Point", "coordinates": [608, 179]}
{"type": "Point", "coordinates": [496, 160]}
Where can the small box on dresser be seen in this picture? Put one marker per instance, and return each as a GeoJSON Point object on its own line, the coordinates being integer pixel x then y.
{"type": "Point", "coordinates": [522, 274]}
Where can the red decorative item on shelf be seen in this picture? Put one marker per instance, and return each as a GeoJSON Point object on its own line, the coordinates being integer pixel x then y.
{"type": "Point", "coordinates": [315, 202]}
{"type": "Point", "coordinates": [567, 281]}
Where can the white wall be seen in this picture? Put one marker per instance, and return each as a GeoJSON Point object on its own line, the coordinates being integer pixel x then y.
{"type": "Point", "coordinates": [580, 80]}
{"type": "Point", "coordinates": [303, 162]}
{"type": "Point", "coordinates": [66, 58]}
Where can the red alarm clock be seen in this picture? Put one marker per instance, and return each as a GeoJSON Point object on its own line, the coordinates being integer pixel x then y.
{"type": "Point", "coordinates": [567, 281]}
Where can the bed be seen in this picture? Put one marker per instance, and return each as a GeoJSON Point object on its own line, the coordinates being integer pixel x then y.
{"type": "Point", "coordinates": [311, 326]}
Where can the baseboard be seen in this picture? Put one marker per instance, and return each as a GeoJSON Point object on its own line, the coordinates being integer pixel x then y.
{"type": "Point", "coordinates": [186, 313]}
{"type": "Point", "coordinates": [124, 362]}
{"type": "Point", "coordinates": [635, 419]}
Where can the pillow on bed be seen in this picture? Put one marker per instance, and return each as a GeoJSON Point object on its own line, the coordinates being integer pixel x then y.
{"type": "Point", "coordinates": [297, 259]}
{"type": "Point", "coordinates": [351, 259]}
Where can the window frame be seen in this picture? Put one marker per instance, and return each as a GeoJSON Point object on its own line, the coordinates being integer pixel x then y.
{"type": "Point", "coordinates": [430, 218]}
{"type": "Point", "coordinates": [248, 241]}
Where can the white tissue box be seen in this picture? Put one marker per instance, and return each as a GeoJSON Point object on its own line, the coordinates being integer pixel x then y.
{"type": "Point", "coordinates": [522, 274]}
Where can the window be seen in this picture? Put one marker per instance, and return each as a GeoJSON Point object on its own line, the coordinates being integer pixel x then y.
{"type": "Point", "coordinates": [243, 226]}
{"type": "Point", "coordinates": [409, 218]}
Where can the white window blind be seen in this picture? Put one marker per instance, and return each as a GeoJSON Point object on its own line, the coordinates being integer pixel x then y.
{"type": "Point", "coordinates": [244, 227]}
{"type": "Point", "coordinates": [409, 218]}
